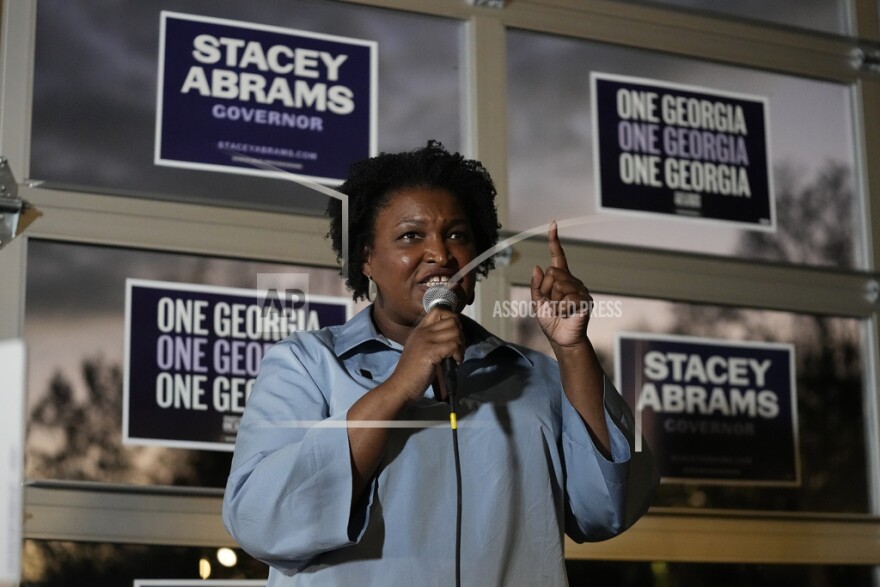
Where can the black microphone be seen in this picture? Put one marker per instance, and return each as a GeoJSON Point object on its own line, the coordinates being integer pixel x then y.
{"type": "Point", "coordinates": [440, 295]}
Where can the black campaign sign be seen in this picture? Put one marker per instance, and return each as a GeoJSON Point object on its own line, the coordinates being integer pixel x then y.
{"type": "Point", "coordinates": [230, 92]}
{"type": "Point", "coordinates": [682, 151]}
{"type": "Point", "coordinates": [713, 411]}
{"type": "Point", "coordinates": [193, 353]}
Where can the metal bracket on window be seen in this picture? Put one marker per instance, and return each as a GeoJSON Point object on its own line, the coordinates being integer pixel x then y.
{"type": "Point", "coordinates": [866, 59]}
{"type": "Point", "coordinates": [488, 3]}
{"type": "Point", "coordinates": [15, 213]}
{"type": "Point", "coordinates": [872, 291]}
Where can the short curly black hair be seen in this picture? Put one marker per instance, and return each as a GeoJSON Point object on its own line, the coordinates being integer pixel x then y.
{"type": "Point", "coordinates": [371, 181]}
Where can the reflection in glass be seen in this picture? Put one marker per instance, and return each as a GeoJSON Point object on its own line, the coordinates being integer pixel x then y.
{"type": "Point", "coordinates": [94, 101]}
{"type": "Point", "coordinates": [56, 564]}
{"type": "Point", "coordinates": [74, 328]}
{"type": "Point", "coordinates": [829, 368]}
{"type": "Point", "coordinates": [812, 151]}
{"type": "Point", "coordinates": [53, 564]}
{"type": "Point", "coordinates": [828, 16]}
{"type": "Point", "coordinates": [661, 574]}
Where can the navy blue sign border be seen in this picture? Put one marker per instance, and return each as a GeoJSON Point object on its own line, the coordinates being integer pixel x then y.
{"type": "Point", "coordinates": [662, 211]}
{"type": "Point", "coordinates": [246, 165]}
{"type": "Point", "coordinates": [174, 440]}
{"type": "Point", "coordinates": [630, 396]}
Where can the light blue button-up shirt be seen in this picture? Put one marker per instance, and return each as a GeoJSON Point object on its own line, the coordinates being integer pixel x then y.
{"type": "Point", "coordinates": [530, 470]}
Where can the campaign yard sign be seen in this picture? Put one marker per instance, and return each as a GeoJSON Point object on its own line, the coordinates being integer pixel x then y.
{"type": "Point", "coordinates": [682, 151]}
{"type": "Point", "coordinates": [263, 100]}
{"type": "Point", "coordinates": [192, 354]}
{"type": "Point", "coordinates": [713, 411]}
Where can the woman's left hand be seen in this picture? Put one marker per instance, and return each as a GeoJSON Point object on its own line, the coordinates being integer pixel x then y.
{"type": "Point", "coordinates": [563, 302]}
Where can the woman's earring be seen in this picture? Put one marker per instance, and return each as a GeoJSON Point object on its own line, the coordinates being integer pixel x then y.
{"type": "Point", "coordinates": [372, 290]}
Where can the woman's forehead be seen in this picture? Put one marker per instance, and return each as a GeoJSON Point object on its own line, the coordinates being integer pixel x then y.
{"type": "Point", "coordinates": [421, 204]}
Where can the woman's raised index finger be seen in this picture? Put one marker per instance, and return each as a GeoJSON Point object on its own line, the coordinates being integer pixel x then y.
{"type": "Point", "coordinates": [557, 255]}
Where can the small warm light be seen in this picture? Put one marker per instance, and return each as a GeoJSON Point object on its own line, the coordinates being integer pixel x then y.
{"type": "Point", "coordinates": [204, 568]}
{"type": "Point", "coordinates": [226, 557]}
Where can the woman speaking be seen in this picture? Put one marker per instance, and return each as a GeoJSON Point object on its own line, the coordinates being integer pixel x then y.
{"type": "Point", "coordinates": [344, 472]}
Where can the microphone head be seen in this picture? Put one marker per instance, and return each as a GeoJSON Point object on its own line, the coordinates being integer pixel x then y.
{"type": "Point", "coordinates": [440, 295]}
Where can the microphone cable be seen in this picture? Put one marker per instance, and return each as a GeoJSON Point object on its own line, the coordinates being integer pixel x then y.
{"type": "Point", "coordinates": [451, 388]}
{"type": "Point", "coordinates": [442, 295]}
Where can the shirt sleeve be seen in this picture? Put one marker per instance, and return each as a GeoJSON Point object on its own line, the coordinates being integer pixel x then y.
{"type": "Point", "coordinates": [288, 497]}
{"type": "Point", "coordinates": [605, 497]}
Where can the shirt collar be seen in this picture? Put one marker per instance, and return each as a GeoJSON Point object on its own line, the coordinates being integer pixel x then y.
{"type": "Point", "coordinates": [357, 331]}
{"type": "Point", "coordinates": [484, 342]}
{"type": "Point", "coordinates": [361, 330]}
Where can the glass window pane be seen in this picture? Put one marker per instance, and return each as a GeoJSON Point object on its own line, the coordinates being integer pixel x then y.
{"type": "Point", "coordinates": [818, 15]}
{"type": "Point", "coordinates": [638, 574]}
{"type": "Point", "coordinates": [829, 358]}
{"type": "Point", "coordinates": [55, 563]}
{"type": "Point", "coordinates": [74, 329]}
{"type": "Point", "coordinates": [94, 107]}
{"type": "Point", "coordinates": [813, 161]}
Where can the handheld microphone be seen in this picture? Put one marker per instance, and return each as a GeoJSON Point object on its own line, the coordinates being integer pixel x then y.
{"type": "Point", "coordinates": [440, 295]}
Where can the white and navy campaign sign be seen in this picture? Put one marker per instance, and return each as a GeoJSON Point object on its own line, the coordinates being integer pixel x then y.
{"type": "Point", "coordinates": [684, 151]}
{"type": "Point", "coordinates": [713, 411]}
{"type": "Point", "coordinates": [193, 353]}
{"type": "Point", "coordinates": [230, 92]}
